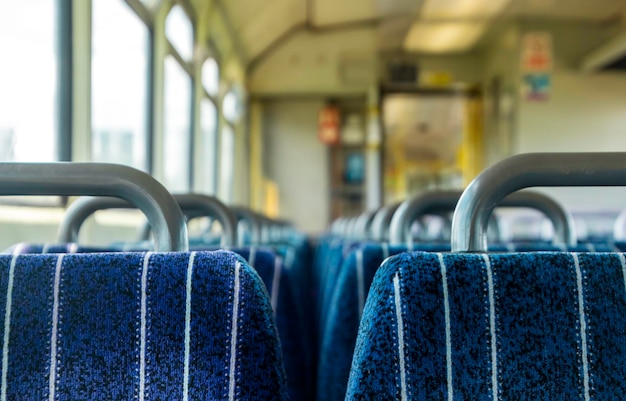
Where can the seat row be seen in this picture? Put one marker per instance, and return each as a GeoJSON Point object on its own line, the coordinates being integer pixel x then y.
{"type": "Point", "coordinates": [166, 323]}
{"type": "Point", "coordinates": [399, 319]}
{"type": "Point", "coordinates": [522, 321]}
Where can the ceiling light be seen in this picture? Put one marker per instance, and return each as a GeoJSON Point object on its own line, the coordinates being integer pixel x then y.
{"type": "Point", "coordinates": [462, 9]}
{"type": "Point", "coordinates": [445, 26]}
{"type": "Point", "coordinates": [443, 37]}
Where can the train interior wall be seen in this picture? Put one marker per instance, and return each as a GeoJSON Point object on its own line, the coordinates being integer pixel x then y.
{"type": "Point", "coordinates": [297, 162]}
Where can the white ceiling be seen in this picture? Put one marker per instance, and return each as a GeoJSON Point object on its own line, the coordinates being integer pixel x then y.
{"type": "Point", "coordinates": [261, 23]}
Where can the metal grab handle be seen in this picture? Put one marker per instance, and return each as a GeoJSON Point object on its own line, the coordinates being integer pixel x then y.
{"type": "Point", "coordinates": [363, 224]}
{"type": "Point", "coordinates": [380, 224]}
{"type": "Point", "coordinates": [522, 171]}
{"type": "Point", "coordinates": [241, 213]}
{"type": "Point", "coordinates": [440, 201]}
{"type": "Point", "coordinates": [273, 230]}
{"type": "Point", "coordinates": [102, 179]}
{"type": "Point", "coordinates": [335, 226]}
{"type": "Point", "coordinates": [190, 213]}
{"type": "Point", "coordinates": [194, 205]}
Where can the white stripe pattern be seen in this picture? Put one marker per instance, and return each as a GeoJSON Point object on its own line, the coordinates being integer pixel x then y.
{"type": "Point", "coordinates": [142, 330]}
{"type": "Point", "coordinates": [583, 326]}
{"type": "Point", "coordinates": [7, 327]}
{"type": "Point", "coordinates": [492, 329]}
{"type": "Point", "coordinates": [360, 281]}
{"type": "Point", "coordinates": [400, 327]}
{"type": "Point", "coordinates": [188, 326]}
{"type": "Point", "coordinates": [446, 307]}
{"type": "Point", "coordinates": [276, 284]}
{"type": "Point", "coordinates": [54, 332]}
{"type": "Point", "coordinates": [233, 336]}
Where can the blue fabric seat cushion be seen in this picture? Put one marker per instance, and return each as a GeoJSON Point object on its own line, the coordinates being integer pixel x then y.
{"type": "Point", "coordinates": [122, 326]}
{"type": "Point", "coordinates": [533, 326]}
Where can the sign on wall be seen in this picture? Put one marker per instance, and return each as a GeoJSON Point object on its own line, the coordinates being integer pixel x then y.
{"type": "Point", "coordinates": [328, 125]}
{"type": "Point", "coordinates": [537, 64]}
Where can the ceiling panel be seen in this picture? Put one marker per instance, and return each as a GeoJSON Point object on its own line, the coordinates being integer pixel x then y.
{"type": "Point", "coordinates": [392, 31]}
{"type": "Point", "coordinates": [270, 23]}
{"type": "Point", "coordinates": [398, 8]}
{"type": "Point", "coordinates": [259, 23]}
{"type": "Point", "coordinates": [329, 12]}
{"type": "Point", "coordinates": [243, 12]}
{"type": "Point", "coordinates": [568, 9]}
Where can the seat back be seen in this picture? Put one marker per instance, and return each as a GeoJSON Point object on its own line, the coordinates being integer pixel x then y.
{"type": "Point", "coordinates": [137, 326]}
{"type": "Point", "coordinates": [295, 345]}
{"type": "Point", "coordinates": [540, 326]}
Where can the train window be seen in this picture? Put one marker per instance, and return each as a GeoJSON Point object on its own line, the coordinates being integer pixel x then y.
{"type": "Point", "coordinates": [150, 3]}
{"type": "Point", "coordinates": [211, 76]}
{"type": "Point", "coordinates": [119, 86]}
{"type": "Point", "coordinates": [227, 163]}
{"type": "Point", "coordinates": [208, 125]}
{"type": "Point", "coordinates": [179, 32]}
{"type": "Point", "coordinates": [177, 134]}
{"type": "Point", "coordinates": [230, 107]}
{"type": "Point", "coordinates": [28, 74]}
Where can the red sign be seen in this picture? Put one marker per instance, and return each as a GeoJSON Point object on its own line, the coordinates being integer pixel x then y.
{"type": "Point", "coordinates": [328, 125]}
{"type": "Point", "coordinates": [537, 52]}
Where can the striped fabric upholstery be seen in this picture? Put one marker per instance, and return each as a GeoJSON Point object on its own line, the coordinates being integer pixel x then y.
{"type": "Point", "coordinates": [289, 320]}
{"type": "Point", "coordinates": [270, 267]}
{"type": "Point", "coordinates": [346, 306]}
{"type": "Point", "coordinates": [535, 326]}
{"type": "Point", "coordinates": [342, 323]}
{"type": "Point", "coordinates": [137, 326]}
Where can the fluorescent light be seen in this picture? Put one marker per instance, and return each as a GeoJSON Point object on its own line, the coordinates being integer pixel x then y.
{"type": "Point", "coordinates": [443, 37]}
{"type": "Point", "coordinates": [445, 26]}
{"type": "Point", "coordinates": [462, 9]}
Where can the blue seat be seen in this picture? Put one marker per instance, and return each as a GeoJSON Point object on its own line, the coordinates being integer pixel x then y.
{"type": "Point", "coordinates": [522, 326]}
{"type": "Point", "coordinates": [349, 290]}
{"type": "Point", "coordinates": [289, 319]}
{"type": "Point", "coordinates": [341, 324]}
{"type": "Point", "coordinates": [295, 346]}
{"type": "Point", "coordinates": [124, 326]}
